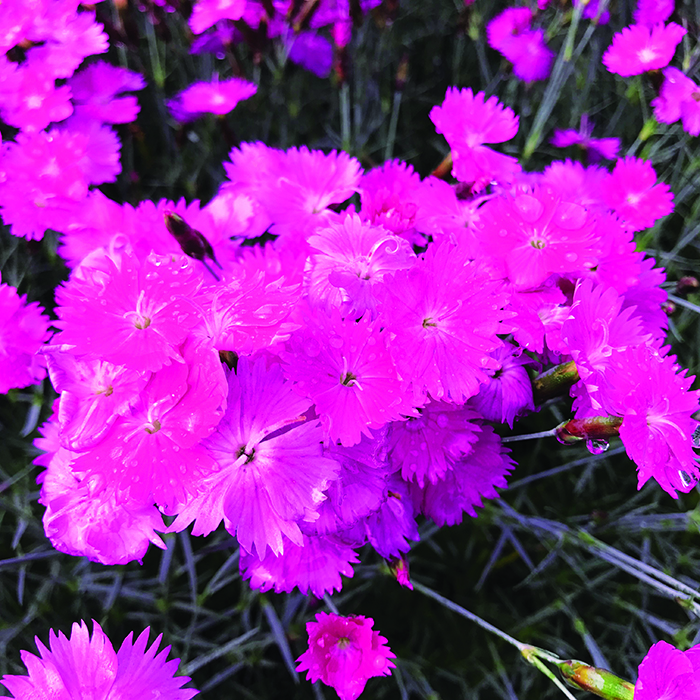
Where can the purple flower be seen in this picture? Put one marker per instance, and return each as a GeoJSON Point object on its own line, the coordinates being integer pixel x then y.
{"type": "Point", "coordinates": [679, 99]}
{"type": "Point", "coordinates": [87, 666]}
{"type": "Point", "coordinates": [595, 148]}
{"type": "Point", "coordinates": [215, 97]}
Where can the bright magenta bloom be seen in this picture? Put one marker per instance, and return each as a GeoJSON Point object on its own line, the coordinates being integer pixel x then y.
{"type": "Point", "coordinates": [667, 673]}
{"type": "Point", "coordinates": [679, 99]}
{"type": "Point", "coordinates": [23, 330]}
{"type": "Point", "coordinates": [632, 192]}
{"type": "Point", "coordinates": [651, 12]}
{"type": "Point", "coordinates": [215, 97]}
{"type": "Point", "coordinates": [638, 48]}
{"type": "Point", "coordinates": [345, 652]}
{"type": "Point", "coordinates": [596, 149]}
{"type": "Point", "coordinates": [469, 121]}
{"type": "Point", "coordinates": [207, 13]}
{"type": "Point", "coordinates": [85, 666]}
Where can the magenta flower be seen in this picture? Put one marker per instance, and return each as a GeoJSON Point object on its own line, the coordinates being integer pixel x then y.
{"type": "Point", "coordinates": [469, 121]}
{"type": "Point", "coordinates": [87, 666]}
{"type": "Point", "coordinates": [651, 12]}
{"type": "Point", "coordinates": [344, 367]}
{"type": "Point", "coordinates": [596, 149]}
{"type": "Point", "coordinates": [136, 314]}
{"type": "Point", "coordinates": [271, 470]}
{"type": "Point", "coordinates": [207, 13]}
{"type": "Point", "coordinates": [668, 673]}
{"type": "Point", "coordinates": [96, 91]}
{"type": "Point", "coordinates": [633, 193]}
{"type": "Point", "coordinates": [23, 330]}
{"type": "Point", "coordinates": [311, 51]}
{"type": "Point", "coordinates": [215, 97]}
{"type": "Point", "coordinates": [442, 316]}
{"type": "Point", "coordinates": [536, 234]}
{"type": "Point", "coordinates": [344, 653]}
{"type": "Point", "coordinates": [639, 48]}
{"type": "Point", "coordinates": [348, 261]}
{"type": "Point", "coordinates": [592, 7]}
{"type": "Point", "coordinates": [313, 567]}
{"type": "Point", "coordinates": [679, 99]}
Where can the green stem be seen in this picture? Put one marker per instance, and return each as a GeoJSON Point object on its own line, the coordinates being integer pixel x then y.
{"type": "Point", "coordinates": [529, 436]}
{"type": "Point", "coordinates": [345, 117]}
{"type": "Point", "coordinates": [393, 125]}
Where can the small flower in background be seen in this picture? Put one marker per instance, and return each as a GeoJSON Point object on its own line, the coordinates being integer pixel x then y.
{"type": "Point", "coordinates": [595, 149]}
{"type": "Point", "coordinates": [88, 667]}
{"type": "Point", "coordinates": [215, 97]}
{"type": "Point", "coordinates": [669, 673]}
{"type": "Point", "coordinates": [638, 48]}
{"type": "Point", "coordinates": [651, 12]}
{"type": "Point", "coordinates": [344, 653]}
{"type": "Point", "coordinates": [679, 99]}
{"type": "Point", "coordinates": [206, 13]}
{"type": "Point", "coordinates": [591, 10]}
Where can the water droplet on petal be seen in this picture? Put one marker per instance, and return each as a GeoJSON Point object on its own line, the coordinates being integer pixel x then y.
{"type": "Point", "coordinates": [686, 479]}
{"type": "Point", "coordinates": [597, 447]}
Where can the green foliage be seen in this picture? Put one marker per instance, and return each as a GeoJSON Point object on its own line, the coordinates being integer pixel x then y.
{"type": "Point", "coordinates": [532, 563]}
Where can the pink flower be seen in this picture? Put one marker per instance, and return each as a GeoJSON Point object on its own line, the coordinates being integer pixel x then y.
{"type": "Point", "coordinates": [468, 121]}
{"type": "Point", "coordinates": [651, 12]}
{"type": "Point", "coordinates": [638, 48]}
{"type": "Point", "coordinates": [596, 149]}
{"type": "Point", "coordinates": [632, 192]}
{"type": "Point", "coordinates": [679, 99]}
{"type": "Point", "coordinates": [349, 260]}
{"type": "Point", "coordinates": [23, 330]}
{"type": "Point", "coordinates": [314, 566]}
{"type": "Point", "coordinates": [592, 7]}
{"type": "Point", "coordinates": [271, 471]}
{"type": "Point", "coordinates": [442, 317]}
{"type": "Point", "coordinates": [215, 97]}
{"type": "Point", "coordinates": [668, 673]}
{"type": "Point", "coordinates": [537, 233]}
{"type": "Point", "coordinates": [137, 314]}
{"type": "Point", "coordinates": [95, 90]}
{"type": "Point", "coordinates": [87, 666]}
{"type": "Point", "coordinates": [310, 51]}
{"type": "Point", "coordinates": [345, 369]}
{"type": "Point", "coordinates": [344, 653]}
{"type": "Point", "coordinates": [207, 13]}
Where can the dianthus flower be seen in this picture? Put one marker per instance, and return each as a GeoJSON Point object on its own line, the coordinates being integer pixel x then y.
{"type": "Point", "coordinates": [347, 262]}
{"type": "Point", "coordinates": [215, 97]}
{"type": "Point", "coordinates": [575, 183]}
{"type": "Point", "coordinates": [596, 149]}
{"type": "Point", "coordinates": [95, 92]}
{"type": "Point", "coordinates": [269, 476]}
{"type": "Point", "coordinates": [469, 121]}
{"type": "Point", "coordinates": [344, 367]}
{"type": "Point", "coordinates": [535, 234]}
{"type": "Point", "coordinates": [136, 314]}
{"type": "Point", "coordinates": [634, 195]}
{"type": "Point", "coordinates": [206, 13]}
{"type": "Point", "coordinates": [344, 653]}
{"type": "Point", "coordinates": [638, 48]}
{"type": "Point", "coordinates": [442, 317]}
{"type": "Point", "coordinates": [310, 51]}
{"type": "Point", "coordinates": [592, 7]}
{"type": "Point", "coordinates": [668, 673]}
{"type": "Point", "coordinates": [651, 12]}
{"type": "Point", "coordinates": [679, 99]}
{"type": "Point", "coordinates": [85, 666]}
{"type": "Point", "coordinates": [23, 330]}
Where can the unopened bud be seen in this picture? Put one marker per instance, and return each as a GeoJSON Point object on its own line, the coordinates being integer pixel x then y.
{"type": "Point", "coordinates": [687, 284]}
{"type": "Point", "coordinates": [596, 428]}
{"type": "Point", "coordinates": [399, 568]}
{"type": "Point", "coordinates": [668, 307]}
{"type": "Point", "coordinates": [596, 680]}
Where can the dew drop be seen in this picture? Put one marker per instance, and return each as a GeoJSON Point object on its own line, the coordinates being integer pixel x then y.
{"type": "Point", "coordinates": [696, 437]}
{"type": "Point", "coordinates": [686, 480]}
{"type": "Point", "coordinates": [571, 257]}
{"type": "Point", "coordinates": [336, 342]}
{"type": "Point", "coordinates": [597, 447]}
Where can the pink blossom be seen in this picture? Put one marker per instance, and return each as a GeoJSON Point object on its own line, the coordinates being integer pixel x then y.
{"type": "Point", "coordinates": [651, 12]}
{"type": "Point", "coordinates": [575, 183]}
{"type": "Point", "coordinates": [215, 97]}
{"type": "Point", "coordinates": [87, 666]}
{"type": "Point", "coordinates": [136, 315]}
{"type": "Point", "coordinates": [23, 330]}
{"type": "Point", "coordinates": [633, 193]}
{"type": "Point", "coordinates": [469, 121]}
{"type": "Point", "coordinates": [591, 10]}
{"type": "Point", "coordinates": [425, 448]}
{"type": "Point", "coordinates": [314, 566]}
{"type": "Point", "coordinates": [639, 48]}
{"type": "Point", "coordinates": [95, 92]}
{"type": "Point", "coordinates": [595, 149]}
{"type": "Point", "coordinates": [207, 13]}
{"type": "Point", "coordinates": [349, 260]}
{"type": "Point", "coordinates": [344, 367]}
{"type": "Point", "coordinates": [537, 233]}
{"type": "Point", "coordinates": [539, 313]}
{"type": "Point", "coordinates": [668, 673]}
{"type": "Point", "coordinates": [311, 51]}
{"type": "Point", "coordinates": [269, 476]}
{"type": "Point", "coordinates": [471, 479]}
{"type": "Point", "coordinates": [344, 653]}
{"type": "Point", "coordinates": [442, 316]}
{"type": "Point", "coordinates": [679, 99]}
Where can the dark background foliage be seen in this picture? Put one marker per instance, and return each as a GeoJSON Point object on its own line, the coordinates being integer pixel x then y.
{"type": "Point", "coordinates": [523, 564]}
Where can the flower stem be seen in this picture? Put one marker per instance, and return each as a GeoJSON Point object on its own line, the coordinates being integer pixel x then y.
{"type": "Point", "coordinates": [443, 170]}
{"type": "Point", "coordinates": [529, 436]}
